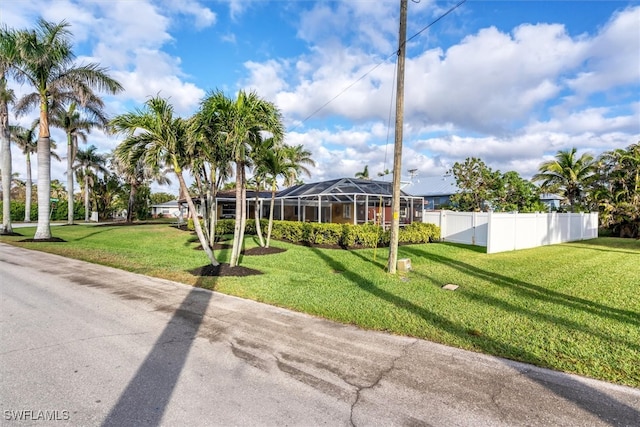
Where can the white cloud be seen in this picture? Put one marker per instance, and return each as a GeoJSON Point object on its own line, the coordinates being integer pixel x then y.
{"type": "Point", "coordinates": [612, 57]}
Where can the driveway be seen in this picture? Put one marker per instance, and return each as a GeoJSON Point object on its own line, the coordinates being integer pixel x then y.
{"type": "Point", "coordinates": [91, 345]}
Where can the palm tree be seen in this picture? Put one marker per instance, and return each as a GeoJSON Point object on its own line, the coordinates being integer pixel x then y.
{"type": "Point", "coordinates": [76, 126]}
{"type": "Point", "coordinates": [45, 61]}
{"type": "Point", "coordinates": [160, 140]}
{"type": "Point", "coordinates": [88, 164]}
{"type": "Point", "coordinates": [364, 174]}
{"type": "Point", "coordinates": [27, 140]}
{"type": "Point", "coordinates": [136, 173]}
{"type": "Point", "coordinates": [568, 174]}
{"type": "Point", "coordinates": [240, 124]}
{"type": "Point", "coordinates": [7, 55]}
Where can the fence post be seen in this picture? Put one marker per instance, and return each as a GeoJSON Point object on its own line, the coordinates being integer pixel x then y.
{"type": "Point", "coordinates": [443, 225]}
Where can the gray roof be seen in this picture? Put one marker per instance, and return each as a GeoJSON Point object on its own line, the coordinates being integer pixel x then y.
{"type": "Point", "coordinates": [169, 204]}
{"type": "Point", "coordinates": [340, 189]}
{"type": "Point", "coordinates": [442, 185]}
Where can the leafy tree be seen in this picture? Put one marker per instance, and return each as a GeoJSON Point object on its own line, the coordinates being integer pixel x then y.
{"type": "Point", "coordinates": [160, 140]}
{"type": "Point", "coordinates": [477, 185]}
{"type": "Point", "coordinates": [567, 174]}
{"type": "Point", "coordinates": [517, 194]}
{"type": "Point", "coordinates": [45, 61]}
{"type": "Point", "coordinates": [240, 124]}
{"type": "Point", "coordinates": [161, 197]}
{"type": "Point", "coordinates": [617, 190]}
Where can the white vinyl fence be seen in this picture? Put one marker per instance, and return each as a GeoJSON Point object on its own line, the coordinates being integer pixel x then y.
{"type": "Point", "coordinates": [501, 232]}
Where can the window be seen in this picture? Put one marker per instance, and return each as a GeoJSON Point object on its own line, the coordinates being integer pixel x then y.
{"type": "Point", "coordinates": [403, 212]}
{"type": "Point", "coordinates": [346, 211]}
{"type": "Point", "coordinates": [228, 211]}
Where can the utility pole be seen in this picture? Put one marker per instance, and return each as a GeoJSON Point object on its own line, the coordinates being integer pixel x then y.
{"type": "Point", "coordinates": [397, 147]}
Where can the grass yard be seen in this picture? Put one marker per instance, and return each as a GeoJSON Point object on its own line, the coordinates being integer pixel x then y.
{"type": "Point", "coordinates": [573, 307]}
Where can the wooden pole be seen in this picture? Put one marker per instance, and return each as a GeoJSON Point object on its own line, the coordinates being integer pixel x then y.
{"type": "Point", "coordinates": [397, 147]}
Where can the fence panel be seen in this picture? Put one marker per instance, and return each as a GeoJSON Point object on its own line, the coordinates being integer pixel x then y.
{"type": "Point", "coordinates": [501, 232]}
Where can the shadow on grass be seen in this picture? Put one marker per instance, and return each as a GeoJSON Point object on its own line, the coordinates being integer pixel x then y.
{"type": "Point", "coordinates": [145, 399]}
{"type": "Point", "coordinates": [530, 290]}
{"type": "Point", "coordinates": [592, 400]}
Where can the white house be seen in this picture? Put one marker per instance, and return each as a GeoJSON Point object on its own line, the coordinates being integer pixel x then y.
{"type": "Point", "coordinates": [169, 209]}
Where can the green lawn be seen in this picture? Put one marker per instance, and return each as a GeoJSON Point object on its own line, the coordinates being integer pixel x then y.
{"type": "Point", "coordinates": [573, 307]}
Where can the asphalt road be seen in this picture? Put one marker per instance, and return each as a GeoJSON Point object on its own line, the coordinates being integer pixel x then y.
{"type": "Point", "coordinates": [82, 344]}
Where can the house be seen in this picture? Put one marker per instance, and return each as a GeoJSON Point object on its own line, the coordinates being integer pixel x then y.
{"type": "Point", "coordinates": [436, 190]}
{"type": "Point", "coordinates": [552, 201]}
{"type": "Point", "coordinates": [342, 200]}
{"type": "Point", "coordinates": [167, 209]}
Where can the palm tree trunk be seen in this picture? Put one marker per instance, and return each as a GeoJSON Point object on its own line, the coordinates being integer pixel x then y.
{"type": "Point", "coordinates": [132, 200]}
{"type": "Point", "coordinates": [27, 190]}
{"type": "Point", "coordinates": [235, 250]}
{"type": "Point", "coordinates": [5, 165]}
{"type": "Point", "coordinates": [43, 231]}
{"type": "Point", "coordinates": [86, 196]}
{"type": "Point", "coordinates": [256, 211]}
{"type": "Point", "coordinates": [243, 210]}
{"type": "Point", "coordinates": [196, 222]}
{"type": "Point", "coordinates": [271, 206]}
{"type": "Point", "coordinates": [69, 180]}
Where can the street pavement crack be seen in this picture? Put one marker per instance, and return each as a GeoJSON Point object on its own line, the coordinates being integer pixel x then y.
{"type": "Point", "coordinates": [380, 377]}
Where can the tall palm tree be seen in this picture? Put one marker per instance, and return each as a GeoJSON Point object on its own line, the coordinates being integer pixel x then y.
{"type": "Point", "coordinates": [45, 61]}
{"type": "Point", "coordinates": [7, 55]}
{"type": "Point", "coordinates": [27, 140]}
{"type": "Point", "coordinates": [568, 174]}
{"type": "Point", "coordinates": [160, 140]}
{"type": "Point", "coordinates": [88, 164]}
{"type": "Point", "coordinates": [241, 123]}
{"type": "Point", "coordinates": [76, 127]}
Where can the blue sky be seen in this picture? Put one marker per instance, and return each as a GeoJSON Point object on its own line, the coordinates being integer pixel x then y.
{"type": "Point", "coordinates": [511, 82]}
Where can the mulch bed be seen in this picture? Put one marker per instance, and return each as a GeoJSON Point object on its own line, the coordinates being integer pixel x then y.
{"type": "Point", "coordinates": [50, 240]}
{"type": "Point", "coordinates": [223, 270]}
{"type": "Point", "coordinates": [13, 233]}
{"type": "Point", "coordinates": [249, 252]}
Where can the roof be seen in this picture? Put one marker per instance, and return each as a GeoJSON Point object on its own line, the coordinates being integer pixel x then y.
{"type": "Point", "coordinates": [550, 196]}
{"type": "Point", "coordinates": [169, 204]}
{"type": "Point", "coordinates": [442, 185]}
{"type": "Point", "coordinates": [340, 189]}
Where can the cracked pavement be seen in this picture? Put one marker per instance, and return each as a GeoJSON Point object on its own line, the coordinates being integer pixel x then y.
{"type": "Point", "coordinates": [116, 348]}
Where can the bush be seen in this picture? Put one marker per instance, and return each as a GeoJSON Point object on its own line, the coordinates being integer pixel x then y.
{"type": "Point", "coordinates": [419, 232]}
{"type": "Point", "coordinates": [345, 235]}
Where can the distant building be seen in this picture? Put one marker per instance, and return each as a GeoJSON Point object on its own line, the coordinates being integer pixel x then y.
{"type": "Point", "coordinates": [166, 209]}
{"type": "Point", "coordinates": [435, 190]}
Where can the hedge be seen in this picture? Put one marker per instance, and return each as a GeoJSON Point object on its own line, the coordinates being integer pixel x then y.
{"type": "Point", "coordinates": [344, 235]}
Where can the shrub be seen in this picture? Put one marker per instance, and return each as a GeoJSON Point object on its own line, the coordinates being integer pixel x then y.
{"type": "Point", "coordinates": [419, 232]}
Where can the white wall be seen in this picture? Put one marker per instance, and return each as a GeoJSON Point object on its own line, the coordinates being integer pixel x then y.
{"type": "Point", "coordinates": [501, 232]}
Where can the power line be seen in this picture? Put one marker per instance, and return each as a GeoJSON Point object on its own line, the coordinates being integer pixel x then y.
{"type": "Point", "coordinates": [460, 3]}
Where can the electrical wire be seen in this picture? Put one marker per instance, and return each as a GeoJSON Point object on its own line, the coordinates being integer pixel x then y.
{"type": "Point", "coordinates": [460, 3]}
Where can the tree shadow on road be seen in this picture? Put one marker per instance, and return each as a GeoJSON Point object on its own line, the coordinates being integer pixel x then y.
{"type": "Point", "coordinates": [147, 395]}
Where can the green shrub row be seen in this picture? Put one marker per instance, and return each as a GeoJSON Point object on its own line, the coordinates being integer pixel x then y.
{"type": "Point", "coordinates": [345, 235]}
{"type": "Point", "coordinates": [58, 212]}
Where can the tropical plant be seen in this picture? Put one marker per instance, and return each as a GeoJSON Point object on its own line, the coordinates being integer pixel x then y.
{"type": "Point", "coordinates": [136, 173]}
{"type": "Point", "coordinates": [76, 127]}
{"type": "Point", "coordinates": [45, 61]}
{"type": "Point", "coordinates": [7, 96]}
{"type": "Point", "coordinates": [161, 140]}
{"type": "Point", "coordinates": [567, 174]}
{"type": "Point", "coordinates": [364, 174]}
{"type": "Point", "coordinates": [87, 166]}
{"type": "Point", "coordinates": [617, 190]}
{"type": "Point", "coordinates": [240, 124]}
